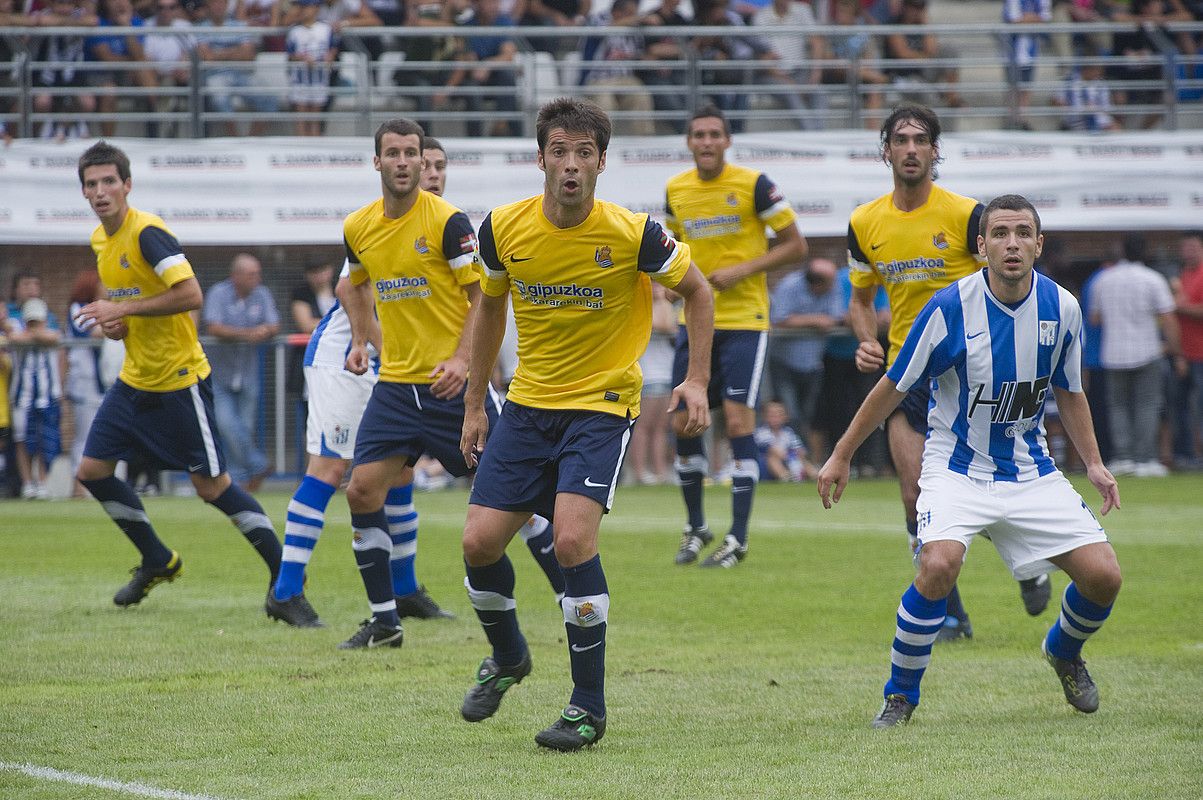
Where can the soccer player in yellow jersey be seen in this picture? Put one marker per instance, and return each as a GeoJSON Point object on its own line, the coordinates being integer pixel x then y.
{"type": "Point", "coordinates": [914, 241]}
{"type": "Point", "coordinates": [410, 255]}
{"type": "Point", "coordinates": [578, 271]}
{"type": "Point", "coordinates": [721, 211]}
{"type": "Point", "coordinates": [161, 405]}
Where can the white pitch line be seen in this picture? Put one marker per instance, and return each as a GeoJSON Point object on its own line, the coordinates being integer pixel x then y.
{"type": "Point", "coordinates": [125, 787]}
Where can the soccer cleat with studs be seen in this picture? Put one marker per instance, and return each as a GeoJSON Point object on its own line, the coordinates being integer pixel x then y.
{"type": "Point", "coordinates": [895, 711]}
{"type": "Point", "coordinates": [575, 729]}
{"type": "Point", "coordinates": [727, 554]}
{"type": "Point", "coordinates": [692, 541]}
{"type": "Point", "coordinates": [1079, 688]}
{"type": "Point", "coordinates": [146, 578]}
{"type": "Point", "coordinates": [420, 605]}
{"type": "Point", "coordinates": [492, 682]}
{"type": "Point", "coordinates": [1035, 594]}
{"type": "Point", "coordinates": [295, 611]}
{"type": "Point", "coordinates": [374, 633]}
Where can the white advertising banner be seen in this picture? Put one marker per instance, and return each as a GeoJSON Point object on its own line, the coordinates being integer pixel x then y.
{"type": "Point", "coordinates": [297, 191]}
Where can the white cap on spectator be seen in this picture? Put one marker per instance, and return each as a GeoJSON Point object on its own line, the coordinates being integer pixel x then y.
{"type": "Point", "coordinates": [34, 310]}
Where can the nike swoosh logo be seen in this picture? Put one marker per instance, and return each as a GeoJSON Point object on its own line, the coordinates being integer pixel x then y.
{"type": "Point", "coordinates": [744, 489]}
{"type": "Point", "coordinates": [736, 391]}
{"type": "Point", "coordinates": [517, 260]}
{"type": "Point", "coordinates": [875, 246]}
{"type": "Point", "coordinates": [974, 335]}
{"type": "Point", "coordinates": [363, 250]}
{"type": "Point", "coordinates": [548, 549]}
{"type": "Point", "coordinates": [579, 649]}
{"type": "Point", "coordinates": [589, 482]}
{"type": "Point", "coordinates": [489, 624]}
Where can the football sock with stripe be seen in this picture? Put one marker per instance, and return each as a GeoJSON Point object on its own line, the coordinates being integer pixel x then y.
{"type": "Point", "coordinates": [1080, 619]}
{"type": "Point", "coordinates": [491, 591]}
{"type": "Point", "coordinates": [919, 622]}
{"type": "Point", "coordinates": [691, 472]}
{"type": "Point", "coordinates": [122, 505]}
{"type": "Point", "coordinates": [744, 478]}
{"type": "Point", "coordinates": [403, 530]}
{"type": "Point", "coordinates": [302, 528]}
{"type": "Point", "coordinates": [248, 517]}
{"type": "Point", "coordinates": [537, 533]}
{"type": "Point", "coordinates": [372, 547]}
{"type": "Point", "coordinates": [586, 606]}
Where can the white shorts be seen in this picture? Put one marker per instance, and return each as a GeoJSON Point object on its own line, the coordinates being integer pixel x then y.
{"type": "Point", "coordinates": [1028, 521]}
{"type": "Point", "coordinates": [337, 399]}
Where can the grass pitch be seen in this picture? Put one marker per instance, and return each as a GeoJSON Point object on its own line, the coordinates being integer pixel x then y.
{"type": "Point", "coordinates": [757, 682]}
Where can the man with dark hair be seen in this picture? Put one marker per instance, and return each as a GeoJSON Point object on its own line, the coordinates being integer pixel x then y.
{"type": "Point", "coordinates": [161, 406]}
{"type": "Point", "coordinates": [578, 271]}
{"type": "Point", "coordinates": [721, 211]}
{"type": "Point", "coordinates": [991, 346]}
{"type": "Point", "coordinates": [914, 240]}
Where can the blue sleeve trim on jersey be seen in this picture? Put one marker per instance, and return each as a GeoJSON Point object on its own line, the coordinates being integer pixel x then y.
{"type": "Point", "coordinates": [351, 255]}
{"type": "Point", "coordinates": [488, 246]}
{"type": "Point", "coordinates": [766, 195]}
{"type": "Point", "coordinates": [656, 248]}
{"type": "Point", "coordinates": [975, 228]}
{"type": "Point", "coordinates": [854, 248]}
{"type": "Point", "coordinates": [458, 239]}
{"type": "Point", "coordinates": [157, 244]}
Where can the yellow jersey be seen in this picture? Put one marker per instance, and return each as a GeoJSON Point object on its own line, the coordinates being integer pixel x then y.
{"type": "Point", "coordinates": [723, 222]}
{"type": "Point", "coordinates": [143, 259]}
{"type": "Point", "coordinates": [5, 368]}
{"type": "Point", "coordinates": [582, 300]}
{"type": "Point", "coordinates": [913, 253]}
{"type": "Point", "coordinates": [419, 265]}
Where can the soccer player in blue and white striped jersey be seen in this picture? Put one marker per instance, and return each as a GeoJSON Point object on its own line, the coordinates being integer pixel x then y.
{"type": "Point", "coordinates": [992, 345]}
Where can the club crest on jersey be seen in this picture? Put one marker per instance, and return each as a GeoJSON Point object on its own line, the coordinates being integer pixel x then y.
{"type": "Point", "coordinates": [1048, 331]}
{"type": "Point", "coordinates": [421, 246]}
{"type": "Point", "coordinates": [940, 241]}
{"type": "Point", "coordinates": [585, 612]}
{"type": "Point", "coordinates": [732, 200]}
{"type": "Point", "coordinates": [124, 261]}
{"type": "Point", "coordinates": [602, 257]}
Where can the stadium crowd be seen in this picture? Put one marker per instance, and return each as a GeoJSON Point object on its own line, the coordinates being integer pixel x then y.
{"type": "Point", "coordinates": [95, 69]}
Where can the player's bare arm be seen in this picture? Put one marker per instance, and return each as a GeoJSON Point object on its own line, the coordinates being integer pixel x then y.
{"type": "Point", "coordinates": [699, 323]}
{"type": "Point", "coordinates": [1079, 426]}
{"type": "Point", "coordinates": [488, 329]}
{"type": "Point", "coordinates": [357, 300]}
{"type": "Point", "coordinates": [452, 373]}
{"type": "Point", "coordinates": [790, 250]}
{"type": "Point", "coordinates": [180, 297]}
{"type": "Point", "coordinates": [863, 320]}
{"type": "Point", "coordinates": [880, 403]}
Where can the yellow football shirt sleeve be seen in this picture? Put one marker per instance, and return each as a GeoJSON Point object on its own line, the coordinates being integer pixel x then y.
{"type": "Point", "coordinates": [459, 248]}
{"type": "Point", "coordinates": [163, 253]}
{"type": "Point", "coordinates": [771, 206]}
{"type": "Point", "coordinates": [661, 256]}
{"type": "Point", "coordinates": [354, 270]}
{"type": "Point", "coordinates": [860, 269]}
{"type": "Point", "coordinates": [494, 280]}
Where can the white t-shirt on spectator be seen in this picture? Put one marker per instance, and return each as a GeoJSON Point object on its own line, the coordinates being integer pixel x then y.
{"type": "Point", "coordinates": [1129, 297]}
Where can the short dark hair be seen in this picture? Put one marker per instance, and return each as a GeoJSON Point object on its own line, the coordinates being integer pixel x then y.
{"type": "Point", "coordinates": [921, 115]}
{"type": "Point", "coordinates": [1007, 202]}
{"type": "Point", "coordinates": [431, 143]}
{"type": "Point", "coordinates": [21, 275]}
{"type": "Point", "coordinates": [401, 127]}
{"type": "Point", "coordinates": [574, 116]}
{"type": "Point", "coordinates": [1133, 246]}
{"type": "Point", "coordinates": [102, 153]}
{"type": "Point", "coordinates": [707, 111]}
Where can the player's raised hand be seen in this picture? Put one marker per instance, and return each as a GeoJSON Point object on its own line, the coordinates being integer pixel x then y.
{"type": "Point", "coordinates": [725, 278]}
{"type": "Point", "coordinates": [833, 475]}
{"type": "Point", "coordinates": [1105, 482]}
{"type": "Point", "coordinates": [697, 406]}
{"type": "Point", "coordinates": [472, 440]}
{"type": "Point", "coordinates": [870, 356]}
{"type": "Point", "coordinates": [450, 376]}
{"type": "Point", "coordinates": [99, 312]}
{"type": "Point", "coordinates": [359, 361]}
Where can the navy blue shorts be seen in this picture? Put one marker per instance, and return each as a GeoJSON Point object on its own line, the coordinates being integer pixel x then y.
{"type": "Point", "coordinates": [914, 406]}
{"type": "Point", "coordinates": [173, 430]}
{"type": "Point", "coordinates": [535, 453]}
{"type": "Point", "coordinates": [736, 365]}
{"type": "Point", "coordinates": [405, 419]}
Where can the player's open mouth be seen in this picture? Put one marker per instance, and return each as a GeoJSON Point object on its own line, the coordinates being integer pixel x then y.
{"type": "Point", "coordinates": [571, 185]}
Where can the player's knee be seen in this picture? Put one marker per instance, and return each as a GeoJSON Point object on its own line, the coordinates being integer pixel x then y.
{"type": "Point", "coordinates": [480, 549]}
{"type": "Point", "coordinates": [939, 566]}
{"type": "Point", "coordinates": [1104, 583]}
{"type": "Point", "coordinates": [209, 489]}
{"type": "Point", "coordinates": [91, 469]}
{"type": "Point", "coordinates": [362, 497]}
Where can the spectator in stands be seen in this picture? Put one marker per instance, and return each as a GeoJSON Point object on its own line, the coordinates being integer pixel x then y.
{"type": "Point", "coordinates": [116, 51]}
{"type": "Point", "coordinates": [1023, 49]}
{"type": "Point", "coordinates": [650, 458]}
{"type": "Point", "coordinates": [554, 14]}
{"type": "Point", "coordinates": [1094, 377]}
{"type": "Point", "coordinates": [1188, 302]}
{"type": "Point", "coordinates": [67, 53]}
{"type": "Point", "coordinates": [263, 14]}
{"type": "Point", "coordinates": [1133, 304]}
{"type": "Point", "coordinates": [495, 55]}
{"type": "Point", "coordinates": [226, 85]}
{"type": "Point", "coordinates": [36, 389]}
{"type": "Point", "coordinates": [168, 54]}
{"type": "Point", "coordinates": [312, 49]}
{"type": "Point", "coordinates": [728, 85]}
{"type": "Point", "coordinates": [312, 299]}
{"type": "Point", "coordinates": [84, 385]}
{"type": "Point", "coordinates": [669, 50]}
{"type": "Point", "coordinates": [792, 52]}
{"type": "Point", "coordinates": [1064, 45]}
{"type": "Point", "coordinates": [806, 305]}
{"type": "Point", "coordinates": [340, 14]}
{"type": "Point", "coordinates": [10, 479]}
{"type": "Point", "coordinates": [936, 63]}
{"type": "Point", "coordinates": [1087, 100]}
{"type": "Point", "coordinates": [241, 314]}
{"type": "Point", "coordinates": [779, 449]}
{"type": "Point", "coordinates": [9, 50]}
{"type": "Point", "coordinates": [1141, 56]}
{"type": "Point", "coordinates": [613, 84]}
{"type": "Point", "coordinates": [858, 47]}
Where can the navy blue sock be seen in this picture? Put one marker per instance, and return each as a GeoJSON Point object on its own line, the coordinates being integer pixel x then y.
{"type": "Point", "coordinates": [122, 505]}
{"type": "Point", "coordinates": [491, 590]}
{"type": "Point", "coordinates": [956, 609]}
{"type": "Point", "coordinates": [744, 478]}
{"type": "Point", "coordinates": [373, 547]}
{"type": "Point", "coordinates": [539, 537]}
{"type": "Point", "coordinates": [586, 606]}
{"type": "Point", "coordinates": [248, 517]}
{"type": "Point", "coordinates": [691, 472]}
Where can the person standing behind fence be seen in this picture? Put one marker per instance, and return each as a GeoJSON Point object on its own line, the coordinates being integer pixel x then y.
{"type": "Point", "coordinates": [85, 388]}
{"type": "Point", "coordinates": [312, 48]}
{"type": "Point", "coordinates": [37, 391]}
{"type": "Point", "coordinates": [241, 314]}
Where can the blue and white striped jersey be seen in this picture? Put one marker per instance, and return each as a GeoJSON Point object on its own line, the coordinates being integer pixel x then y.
{"type": "Point", "coordinates": [992, 367]}
{"type": "Point", "coordinates": [330, 341]}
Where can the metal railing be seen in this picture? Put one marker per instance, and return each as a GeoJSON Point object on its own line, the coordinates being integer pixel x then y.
{"type": "Point", "coordinates": [970, 84]}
